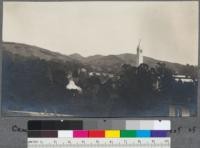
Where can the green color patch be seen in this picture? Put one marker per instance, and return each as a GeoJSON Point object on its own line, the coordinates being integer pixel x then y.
{"type": "Point", "coordinates": [128, 133]}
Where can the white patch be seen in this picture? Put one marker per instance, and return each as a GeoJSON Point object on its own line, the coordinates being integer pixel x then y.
{"type": "Point", "coordinates": [71, 85]}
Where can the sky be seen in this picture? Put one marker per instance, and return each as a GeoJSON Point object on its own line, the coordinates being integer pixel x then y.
{"type": "Point", "coordinates": [168, 30]}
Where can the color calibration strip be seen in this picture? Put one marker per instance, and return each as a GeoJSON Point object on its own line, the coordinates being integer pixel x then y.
{"type": "Point", "coordinates": [99, 124]}
{"type": "Point", "coordinates": [99, 134]}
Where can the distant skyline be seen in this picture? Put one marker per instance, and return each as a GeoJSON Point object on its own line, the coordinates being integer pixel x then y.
{"type": "Point", "coordinates": [168, 30]}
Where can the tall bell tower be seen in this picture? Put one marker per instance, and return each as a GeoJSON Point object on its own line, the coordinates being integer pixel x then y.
{"type": "Point", "coordinates": [139, 59]}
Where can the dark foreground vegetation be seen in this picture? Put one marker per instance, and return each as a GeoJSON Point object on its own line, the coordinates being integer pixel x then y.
{"type": "Point", "coordinates": [37, 84]}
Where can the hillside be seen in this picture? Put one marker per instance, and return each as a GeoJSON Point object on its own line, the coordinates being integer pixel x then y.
{"type": "Point", "coordinates": [113, 62]}
{"type": "Point", "coordinates": [109, 63]}
{"type": "Point", "coordinates": [29, 51]}
{"type": "Point", "coordinates": [32, 77]}
{"type": "Point", "coordinates": [42, 73]}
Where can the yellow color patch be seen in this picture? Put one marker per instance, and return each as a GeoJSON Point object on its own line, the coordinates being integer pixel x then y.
{"type": "Point", "coordinates": [112, 133]}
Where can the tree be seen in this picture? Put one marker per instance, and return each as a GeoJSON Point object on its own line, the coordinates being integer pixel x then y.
{"type": "Point", "coordinates": [190, 71]}
{"type": "Point", "coordinates": [145, 79]}
{"type": "Point", "coordinates": [165, 76]}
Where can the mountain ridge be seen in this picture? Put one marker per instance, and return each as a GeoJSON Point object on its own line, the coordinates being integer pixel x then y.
{"type": "Point", "coordinates": [102, 61]}
{"type": "Point", "coordinates": [33, 51]}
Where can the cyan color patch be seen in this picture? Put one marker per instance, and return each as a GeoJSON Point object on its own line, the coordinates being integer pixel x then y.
{"type": "Point", "coordinates": [143, 133]}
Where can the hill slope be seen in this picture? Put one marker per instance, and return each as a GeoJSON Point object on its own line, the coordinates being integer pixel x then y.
{"type": "Point", "coordinates": [110, 63]}
{"type": "Point", "coordinates": [33, 51]}
{"type": "Point", "coordinates": [42, 73]}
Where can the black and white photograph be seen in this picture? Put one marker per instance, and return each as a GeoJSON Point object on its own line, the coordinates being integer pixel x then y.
{"type": "Point", "coordinates": [100, 59]}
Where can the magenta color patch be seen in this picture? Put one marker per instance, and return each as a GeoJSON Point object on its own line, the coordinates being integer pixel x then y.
{"type": "Point", "coordinates": [80, 133]}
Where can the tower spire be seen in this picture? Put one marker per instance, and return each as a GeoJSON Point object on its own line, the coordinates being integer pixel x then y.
{"type": "Point", "coordinates": [139, 54]}
{"type": "Point", "coordinates": [138, 47]}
